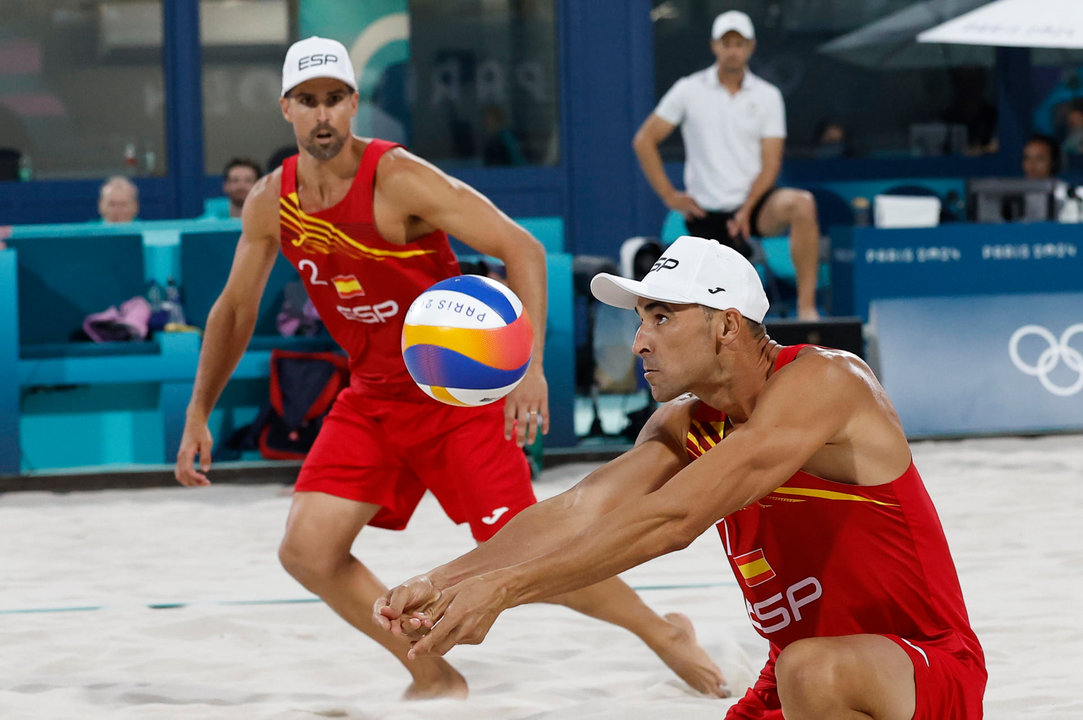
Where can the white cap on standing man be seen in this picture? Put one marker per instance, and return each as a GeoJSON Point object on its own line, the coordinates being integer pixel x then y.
{"type": "Point", "coordinates": [736, 21]}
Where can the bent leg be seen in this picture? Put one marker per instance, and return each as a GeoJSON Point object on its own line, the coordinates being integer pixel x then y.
{"type": "Point", "coordinates": [853, 676]}
{"type": "Point", "coordinates": [671, 637]}
{"type": "Point", "coordinates": [796, 210]}
{"type": "Point", "coordinates": [320, 531]}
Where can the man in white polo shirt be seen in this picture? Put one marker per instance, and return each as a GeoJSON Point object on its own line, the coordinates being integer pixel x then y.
{"type": "Point", "coordinates": [734, 127]}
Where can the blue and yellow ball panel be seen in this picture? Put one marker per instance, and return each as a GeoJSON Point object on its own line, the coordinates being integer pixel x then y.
{"type": "Point", "coordinates": [467, 340]}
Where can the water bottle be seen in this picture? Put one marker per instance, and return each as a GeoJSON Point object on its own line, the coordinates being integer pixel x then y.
{"type": "Point", "coordinates": [861, 211]}
{"type": "Point", "coordinates": [26, 168]}
{"type": "Point", "coordinates": [173, 303]}
{"type": "Point", "coordinates": [131, 159]}
{"type": "Point", "coordinates": [155, 296]}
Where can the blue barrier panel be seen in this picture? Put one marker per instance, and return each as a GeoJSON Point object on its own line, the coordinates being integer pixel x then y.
{"type": "Point", "coordinates": [982, 365]}
{"type": "Point", "coordinates": [549, 231]}
{"type": "Point", "coordinates": [64, 279]}
{"type": "Point", "coordinates": [9, 363]}
{"type": "Point", "coordinates": [956, 259]}
{"type": "Point", "coordinates": [205, 261]}
{"type": "Point", "coordinates": [560, 352]}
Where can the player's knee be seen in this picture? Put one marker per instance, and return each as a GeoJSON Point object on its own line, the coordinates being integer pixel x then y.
{"type": "Point", "coordinates": [805, 670]}
{"type": "Point", "coordinates": [803, 208]}
{"type": "Point", "coordinates": [302, 563]}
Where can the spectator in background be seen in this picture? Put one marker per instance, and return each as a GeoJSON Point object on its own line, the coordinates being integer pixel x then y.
{"type": "Point", "coordinates": [1041, 157]}
{"type": "Point", "coordinates": [734, 129]}
{"type": "Point", "coordinates": [1073, 126]}
{"type": "Point", "coordinates": [832, 139]}
{"type": "Point", "coordinates": [238, 178]}
{"type": "Point", "coordinates": [118, 201]}
{"type": "Point", "coordinates": [500, 146]}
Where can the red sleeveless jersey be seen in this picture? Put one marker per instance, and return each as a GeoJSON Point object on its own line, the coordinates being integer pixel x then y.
{"type": "Point", "coordinates": [361, 284]}
{"type": "Point", "coordinates": [818, 558]}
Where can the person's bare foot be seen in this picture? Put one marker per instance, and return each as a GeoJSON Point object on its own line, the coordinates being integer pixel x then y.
{"type": "Point", "coordinates": [684, 656]}
{"type": "Point", "coordinates": [443, 681]}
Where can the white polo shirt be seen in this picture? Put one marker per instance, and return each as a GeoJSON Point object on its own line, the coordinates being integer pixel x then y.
{"type": "Point", "coordinates": [722, 134]}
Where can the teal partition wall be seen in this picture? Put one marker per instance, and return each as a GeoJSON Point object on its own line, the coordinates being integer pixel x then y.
{"type": "Point", "coordinates": [9, 364]}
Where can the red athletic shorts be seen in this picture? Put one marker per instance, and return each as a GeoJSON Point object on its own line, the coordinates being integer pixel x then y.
{"type": "Point", "coordinates": [948, 687]}
{"type": "Point", "coordinates": [389, 452]}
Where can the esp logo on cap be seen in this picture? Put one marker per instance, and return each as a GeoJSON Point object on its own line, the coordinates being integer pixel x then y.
{"type": "Point", "coordinates": [316, 60]}
{"type": "Point", "coordinates": [665, 264]}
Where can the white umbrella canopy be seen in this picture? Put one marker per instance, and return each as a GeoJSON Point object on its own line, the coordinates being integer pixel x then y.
{"type": "Point", "coordinates": [890, 42]}
{"type": "Point", "coordinates": [1014, 23]}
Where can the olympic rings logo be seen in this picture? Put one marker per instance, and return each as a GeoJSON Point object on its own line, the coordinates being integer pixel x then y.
{"type": "Point", "coordinates": [1050, 358]}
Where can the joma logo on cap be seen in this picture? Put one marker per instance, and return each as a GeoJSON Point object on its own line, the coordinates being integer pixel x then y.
{"type": "Point", "coordinates": [316, 60]}
{"type": "Point", "coordinates": [665, 264]}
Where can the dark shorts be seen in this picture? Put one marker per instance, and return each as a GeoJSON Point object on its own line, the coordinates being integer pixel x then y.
{"type": "Point", "coordinates": [389, 452]}
{"type": "Point", "coordinates": [714, 226]}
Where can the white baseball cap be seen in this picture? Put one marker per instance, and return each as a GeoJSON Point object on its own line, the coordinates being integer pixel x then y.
{"type": "Point", "coordinates": [692, 270]}
{"type": "Point", "coordinates": [733, 20]}
{"type": "Point", "coordinates": [317, 57]}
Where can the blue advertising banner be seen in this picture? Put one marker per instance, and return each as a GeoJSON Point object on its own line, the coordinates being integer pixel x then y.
{"type": "Point", "coordinates": [955, 259]}
{"type": "Point", "coordinates": [982, 365]}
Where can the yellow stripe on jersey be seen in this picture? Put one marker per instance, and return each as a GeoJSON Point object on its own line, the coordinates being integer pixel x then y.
{"type": "Point", "coordinates": [694, 440]}
{"type": "Point", "coordinates": [323, 236]}
{"type": "Point", "coordinates": [827, 495]}
{"type": "Point", "coordinates": [699, 439]}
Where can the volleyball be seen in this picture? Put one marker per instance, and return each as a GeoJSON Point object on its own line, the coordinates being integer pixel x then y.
{"type": "Point", "coordinates": [467, 341]}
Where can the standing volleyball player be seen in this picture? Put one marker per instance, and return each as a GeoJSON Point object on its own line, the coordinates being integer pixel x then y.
{"type": "Point", "coordinates": [365, 223]}
{"type": "Point", "coordinates": [797, 456]}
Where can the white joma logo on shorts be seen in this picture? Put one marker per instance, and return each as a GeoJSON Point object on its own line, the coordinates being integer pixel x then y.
{"type": "Point", "coordinates": [497, 514]}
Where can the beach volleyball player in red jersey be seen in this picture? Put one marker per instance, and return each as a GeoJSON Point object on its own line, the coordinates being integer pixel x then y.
{"type": "Point", "coordinates": [798, 457]}
{"type": "Point", "coordinates": [365, 223]}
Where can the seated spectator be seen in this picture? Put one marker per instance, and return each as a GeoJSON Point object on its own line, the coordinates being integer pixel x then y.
{"type": "Point", "coordinates": [500, 147]}
{"type": "Point", "coordinates": [832, 139]}
{"type": "Point", "coordinates": [238, 178]}
{"type": "Point", "coordinates": [118, 201]}
{"type": "Point", "coordinates": [1041, 157]}
{"type": "Point", "coordinates": [1042, 160]}
{"type": "Point", "coordinates": [1073, 126]}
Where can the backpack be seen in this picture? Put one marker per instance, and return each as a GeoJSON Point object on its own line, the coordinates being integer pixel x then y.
{"type": "Point", "coordinates": [303, 387]}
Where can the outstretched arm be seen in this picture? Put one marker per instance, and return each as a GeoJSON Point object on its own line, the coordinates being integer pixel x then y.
{"type": "Point", "coordinates": [543, 527]}
{"type": "Point", "coordinates": [803, 409]}
{"type": "Point", "coordinates": [412, 189]}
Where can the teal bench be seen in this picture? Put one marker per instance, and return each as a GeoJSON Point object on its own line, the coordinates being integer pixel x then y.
{"type": "Point", "coordinates": [61, 280]}
{"type": "Point", "coordinates": [123, 403]}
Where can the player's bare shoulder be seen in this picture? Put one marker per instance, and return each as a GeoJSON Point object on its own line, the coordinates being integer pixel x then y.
{"type": "Point", "coordinates": [836, 384]}
{"type": "Point", "coordinates": [829, 366]}
{"type": "Point", "coordinates": [406, 178]}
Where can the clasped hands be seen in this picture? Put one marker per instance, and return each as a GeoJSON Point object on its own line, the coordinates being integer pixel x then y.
{"type": "Point", "coordinates": [435, 620]}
